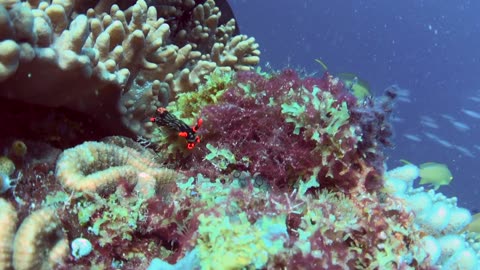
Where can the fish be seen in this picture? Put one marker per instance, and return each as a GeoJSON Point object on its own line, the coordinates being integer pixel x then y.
{"type": "Point", "coordinates": [427, 121]}
{"type": "Point", "coordinates": [324, 66]}
{"type": "Point", "coordinates": [438, 140]}
{"type": "Point", "coordinates": [403, 95]}
{"type": "Point", "coordinates": [427, 118]}
{"type": "Point", "coordinates": [435, 174]}
{"type": "Point", "coordinates": [404, 99]}
{"type": "Point", "coordinates": [431, 136]}
{"type": "Point", "coordinates": [472, 114]}
{"type": "Point", "coordinates": [460, 126]}
{"type": "Point", "coordinates": [429, 124]}
{"type": "Point", "coordinates": [474, 225]}
{"type": "Point", "coordinates": [448, 117]}
{"type": "Point", "coordinates": [412, 137]}
{"type": "Point", "coordinates": [397, 119]}
{"type": "Point", "coordinates": [359, 87]}
{"type": "Point", "coordinates": [445, 143]}
{"type": "Point", "coordinates": [464, 151]}
{"type": "Point", "coordinates": [476, 99]}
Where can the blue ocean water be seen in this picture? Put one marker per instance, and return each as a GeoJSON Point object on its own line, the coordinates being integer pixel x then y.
{"type": "Point", "coordinates": [430, 48]}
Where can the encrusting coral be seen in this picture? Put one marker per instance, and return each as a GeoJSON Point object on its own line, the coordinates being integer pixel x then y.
{"type": "Point", "coordinates": [107, 57]}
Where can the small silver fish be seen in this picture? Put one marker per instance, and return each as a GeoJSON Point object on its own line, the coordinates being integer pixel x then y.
{"type": "Point", "coordinates": [476, 99]}
{"type": "Point", "coordinates": [471, 113]}
{"type": "Point", "coordinates": [427, 121]}
{"type": "Point", "coordinates": [460, 126]}
{"type": "Point", "coordinates": [464, 151]}
{"type": "Point", "coordinates": [412, 137]}
{"type": "Point", "coordinates": [439, 140]}
{"type": "Point", "coordinates": [448, 117]}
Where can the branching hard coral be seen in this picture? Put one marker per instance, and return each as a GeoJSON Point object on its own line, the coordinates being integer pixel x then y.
{"type": "Point", "coordinates": [94, 52]}
{"type": "Point", "coordinates": [96, 167]}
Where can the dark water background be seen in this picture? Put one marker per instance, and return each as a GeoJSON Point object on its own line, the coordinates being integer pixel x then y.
{"type": "Point", "coordinates": [430, 47]}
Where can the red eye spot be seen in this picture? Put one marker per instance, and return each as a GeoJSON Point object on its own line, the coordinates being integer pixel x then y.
{"type": "Point", "coordinates": [190, 146]}
{"type": "Point", "coordinates": [183, 134]}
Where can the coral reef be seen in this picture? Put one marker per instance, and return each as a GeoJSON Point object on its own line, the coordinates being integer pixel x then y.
{"type": "Point", "coordinates": [289, 174]}
{"type": "Point", "coordinates": [287, 171]}
{"type": "Point", "coordinates": [108, 57]}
